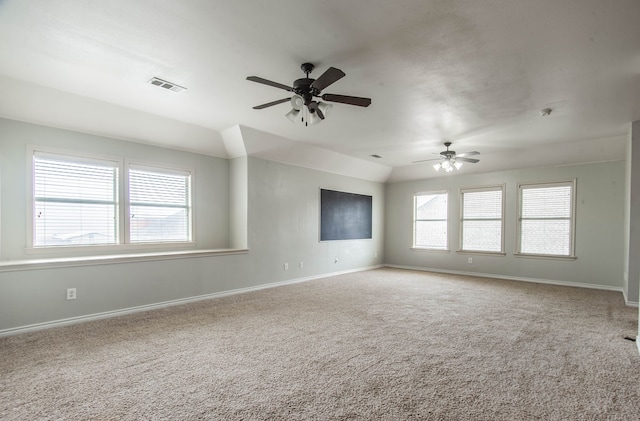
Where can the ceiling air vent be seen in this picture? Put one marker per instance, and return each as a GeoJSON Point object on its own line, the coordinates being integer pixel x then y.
{"type": "Point", "coordinates": [166, 85]}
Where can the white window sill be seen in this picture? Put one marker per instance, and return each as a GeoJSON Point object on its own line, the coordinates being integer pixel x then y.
{"type": "Point", "coordinates": [58, 262]}
{"type": "Point", "coordinates": [430, 250]}
{"type": "Point", "coordinates": [484, 253]}
{"type": "Point", "coordinates": [544, 256]}
{"type": "Point", "coordinates": [115, 249]}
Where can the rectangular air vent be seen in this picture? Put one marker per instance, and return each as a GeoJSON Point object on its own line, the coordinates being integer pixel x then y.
{"type": "Point", "coordinates": [166, 85]}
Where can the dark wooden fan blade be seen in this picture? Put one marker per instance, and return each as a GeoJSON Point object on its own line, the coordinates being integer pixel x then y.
{"type": "Point", "coordinates": [468, 153]}
{"type": "Point", "coordinates": [472, 160]}
{"type": "Point", "coordinates": [327, 78]}
{"type": "Point", "coordinates": [425, 160]}
{"type": "Point", "coordinates": [269, 82]}
{"type": "Point", "coordinates": [313, 106]}
{"type": "Point", "coordinates": [351, 100]}
{"type": "Point", "coordinates": [269, 104]}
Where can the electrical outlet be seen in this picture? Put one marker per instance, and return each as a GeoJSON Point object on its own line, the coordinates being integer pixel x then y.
{"type": "Point", "coordinates": [470, 260]}
{"type": "Point", "coordinates": [71, 293]}
{"type": "Point", "coordinates": [286, 266]}
{"type": "Point", "coordinates": [301, 264]}
{"type": "Point", "coordinates": [375, 255]}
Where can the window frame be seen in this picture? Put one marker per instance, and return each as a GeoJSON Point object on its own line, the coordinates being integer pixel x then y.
{"type": "Point", "coordinates": [137, 165]}
{"type": "Point", "coordinates": [462, 192]}
{"type": "Point", "coordinates": [415, 220]}
{"type": "Point", "coordinates": [572, 236]}
{"type": "Point", "coordinates": [123, 244]}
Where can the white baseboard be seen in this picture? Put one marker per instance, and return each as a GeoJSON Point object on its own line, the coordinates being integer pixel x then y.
{"type": "Point", "coordinates": [164, 304]}
{"type": "Point", "coordinates": [518, 278]}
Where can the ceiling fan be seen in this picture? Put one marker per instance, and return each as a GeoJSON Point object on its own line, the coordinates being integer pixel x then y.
{"type": "Point", "coordinates": [306, 89]}
{"type": "Point", "coordinates": [450, 160]}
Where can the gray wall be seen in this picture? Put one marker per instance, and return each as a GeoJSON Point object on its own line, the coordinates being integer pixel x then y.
{"type": "Point", "coordinates": [283, 210]}
{"type": "Point", "coordinates": [238, 205]}
{"type": "Point", "coordinates": [284, 214]}
{"type": "Point", "coordinates": [632, 213]}
{"type": "Point", "coordinates": [599, 226]}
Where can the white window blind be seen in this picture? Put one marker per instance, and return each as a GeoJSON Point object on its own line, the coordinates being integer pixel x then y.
{"type": "Point", "coordinates": [481, 222]}
{"type": "Point", "coordinates": [430, 221]}
{"type": "Point", "coordinates": [546, 219]}
{"type": "Point", "coordinates": [75, 201]}
{"type": "Point", "coordinates": [159, 206]}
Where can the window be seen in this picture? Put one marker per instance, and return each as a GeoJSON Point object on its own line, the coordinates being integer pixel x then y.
{"type": "Point", "coordinates": [546, 219]}
{"type": "Point", "coordinates": [159, 207]}
{"type": "Point", "coordinates": [75, 201]}
{"type": "Point", "coordinates": [430, 221]}
{"type": "Point", "coordinates": [481, 227]}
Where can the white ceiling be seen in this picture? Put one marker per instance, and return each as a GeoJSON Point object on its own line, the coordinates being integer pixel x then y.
{"type": "Point", "coordinates": [476, 73]}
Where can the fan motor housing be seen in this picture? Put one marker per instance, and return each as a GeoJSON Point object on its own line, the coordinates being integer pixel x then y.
{"type": "Point", "coordinates": [303, 88]}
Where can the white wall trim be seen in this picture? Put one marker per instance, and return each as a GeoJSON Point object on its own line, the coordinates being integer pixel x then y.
{"type": "Point", "coordinates": [517, 278]}
{"type": "Point", "coordinates": [164, 304]}
{"type": "Point", "coordinates": [65, 262]}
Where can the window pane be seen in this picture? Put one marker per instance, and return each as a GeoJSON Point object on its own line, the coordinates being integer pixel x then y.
{"type": "Point", "coordinates": [154, 188]}
{"type": "Point", "coordinates": [70, 180]}
{"type": "Point", "coordinates": [75, 203]}
{"type": "Point", "coordinates": [482, 235]}
{"type": "Point", "coordinates": [546, 219]}
{"type": "Point", "coordinates": [482, 220]}
{"type": "Point", "coordinates": [160, 207]}
{"type": "Point", "coordinates": [547, 202]}
{"type": "Point", "coordinates": [431, 234]}
{"type": "Point", "coordinates": [72, 224]}
{"type": "Point", "coordinates": [482, 205]}
{"type": "Point", "coordinates": [155, 224]}
{"type": "Point", "coordinates": [430, 222]}
{"type": "Point", "coordinates": [546, 237]}
{"type": "Point", "coordinates": [431, 206]}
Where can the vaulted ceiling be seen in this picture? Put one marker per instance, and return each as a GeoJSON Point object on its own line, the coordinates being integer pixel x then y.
{"type": "Point", "coordinates": [476, 73]}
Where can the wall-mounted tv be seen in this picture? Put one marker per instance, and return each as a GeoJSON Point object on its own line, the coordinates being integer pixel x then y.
{"type": "Point", "coordinates": [345, 216]}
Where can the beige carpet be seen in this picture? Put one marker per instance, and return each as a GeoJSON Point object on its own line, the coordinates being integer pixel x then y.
{"type": "Point", "coordinates": [384, 344]}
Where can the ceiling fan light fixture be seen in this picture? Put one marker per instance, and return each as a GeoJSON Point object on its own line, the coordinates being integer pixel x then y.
{"type": "Point", "coordinates": [450, 161]}
{"type": "Point", "coordinates": [325, 108]}
{"type": "Point", "coordinates": [292, 115]}
{"type": "Point", "coordinates": [297, 102]}
{"type": "Point", "coordinates": [313, 119]}
{"type": "Point", "coordinates": [304, 90]}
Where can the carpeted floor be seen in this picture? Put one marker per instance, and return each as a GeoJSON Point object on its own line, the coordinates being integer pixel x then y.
{"type": "Point", "coordinates": [383, 344]}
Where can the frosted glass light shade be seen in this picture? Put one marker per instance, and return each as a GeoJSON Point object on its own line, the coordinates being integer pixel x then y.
{"type": "Point", "coordinates": [292, 115]}
{"type": "Point", "coordinates": [297, 102]}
